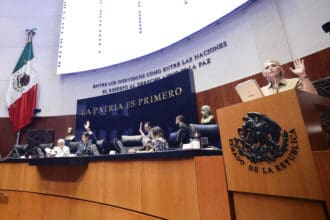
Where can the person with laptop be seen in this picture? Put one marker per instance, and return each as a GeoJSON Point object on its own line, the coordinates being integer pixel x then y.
{"type": "Point", "coordinates": [274, 74]}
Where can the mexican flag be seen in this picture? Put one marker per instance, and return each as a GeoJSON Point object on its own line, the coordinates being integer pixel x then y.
{"type": "Point", "coordinates": [22, 91]}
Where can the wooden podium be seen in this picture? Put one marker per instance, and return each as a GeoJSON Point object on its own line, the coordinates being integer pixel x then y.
{"type": "Point", "coordinates": [277, 157]}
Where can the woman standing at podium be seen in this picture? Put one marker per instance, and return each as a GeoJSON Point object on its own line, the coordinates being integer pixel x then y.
{"type": "Point", "coordinates": [274, 74]}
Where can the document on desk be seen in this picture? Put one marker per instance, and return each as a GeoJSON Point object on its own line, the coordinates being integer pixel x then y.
{"type": "Point", "coordinates": [248, 90]}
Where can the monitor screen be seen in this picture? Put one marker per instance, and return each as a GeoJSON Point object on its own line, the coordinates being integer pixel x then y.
{"type": "Point", "coordinates": [96, 34]}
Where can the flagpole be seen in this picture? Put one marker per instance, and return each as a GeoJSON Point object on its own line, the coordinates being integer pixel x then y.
{"type": "Point", "coordinates": [17, 136]}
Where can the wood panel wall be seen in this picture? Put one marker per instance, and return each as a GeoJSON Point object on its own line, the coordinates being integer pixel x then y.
{"type": "Point", "coordinates": [317, 66]}
{"type": "Point", "coordinates": [58, 123]}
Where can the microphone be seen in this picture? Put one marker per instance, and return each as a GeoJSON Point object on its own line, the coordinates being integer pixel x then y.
{"type": "Point", "coordinates": [276, 85]}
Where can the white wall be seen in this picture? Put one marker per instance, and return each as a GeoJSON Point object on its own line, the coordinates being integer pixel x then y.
{"type": "Point", "coordinates": [279, 29]}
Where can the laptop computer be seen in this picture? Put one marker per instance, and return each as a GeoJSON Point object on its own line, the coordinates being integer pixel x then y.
{"type": "Point", "coordinates": [248, 90]}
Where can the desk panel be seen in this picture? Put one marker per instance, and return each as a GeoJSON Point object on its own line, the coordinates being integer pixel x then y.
{"type": "Point", "coordinates": [172, 188]}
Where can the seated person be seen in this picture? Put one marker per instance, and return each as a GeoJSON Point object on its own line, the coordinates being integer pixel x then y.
{"type": "Point", "coordinates": [91, 134]}
{"type": "Point", "coordinates": [146, 133]}
{"type": "Point", "coordinates": [158, 141]}
{"type": "Point", "coordinates": [86, 148]}
{"type": "Point", "coordinates": [207, 115]}
{"type": "Point", "coordinates": [69, 135]}
{"type": "Point", "coordinates": [274, 74]}
{"type": "Point", "coordinates": [60, 149]}
{"type": "Point", "coordinates": [184, 132]}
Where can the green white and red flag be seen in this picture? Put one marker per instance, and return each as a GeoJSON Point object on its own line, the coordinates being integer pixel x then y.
{"type": "Point", "coordinates": [22, 90]}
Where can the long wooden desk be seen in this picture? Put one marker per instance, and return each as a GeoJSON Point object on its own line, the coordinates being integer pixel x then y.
{"type": "Point", "coordinates": [189, 185]}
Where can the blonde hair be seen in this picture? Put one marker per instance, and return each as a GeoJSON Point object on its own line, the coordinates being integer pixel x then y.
{"type": "Point", "coordinates": [277, 63]}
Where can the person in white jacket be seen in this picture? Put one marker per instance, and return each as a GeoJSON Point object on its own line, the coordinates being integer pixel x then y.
{"type": "Point", "coordinates": [60, 149]}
